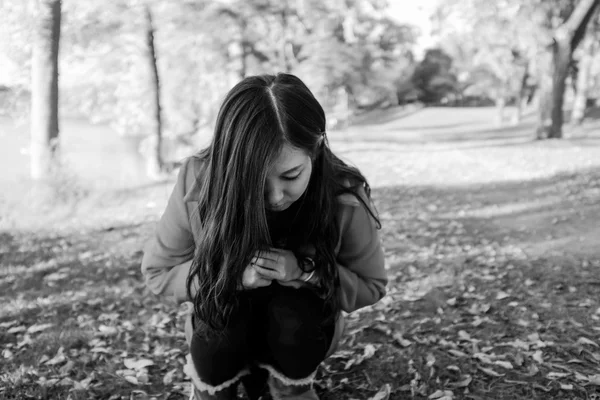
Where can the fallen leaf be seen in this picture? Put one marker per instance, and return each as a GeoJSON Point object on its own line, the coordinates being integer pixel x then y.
{"type": "Point", "coordinates": [143, 378]}
{"type": "Point", "coordinates": [518, 359]}
{"type": "Point", "coordinates": [134, 364]}
{"type": "Point", "coordinates": [575, 361]}
{"type": "Point", "coordinates": [168, 378]}
{"type": "Point", "coordinates": [441, 395]}
{"type": "Point", "coordinates": [453, 368]}
{"type": "Point", "coordinates": [47, 382]}
{"type": "Point", "coordinates": [557, 375]}
{"type": "Point", "coordinates": [462, 384]}
{"type": "Point", "coordinates": [534, 337]}
{"type": "Point", "coordinates": [384, 393]}
{"type": "Point", "coordinates": [566, 387]}
{"type": "Point", "coordinates": [584, 341]}
{"type": "Point", "coordinates": [83, 384]}
{"type": "Point", "coordinates": [532, 370]}
{"type": "Point", "coordinates": [580, 377]}
{"type": "Point", "coordinates": [8, 324]}
{"type": "Point", "coordinates": [489, 371]}
{"type": "Point", "coordinates": [502, 295]}
{"type": "Point", "coordinates": [537, 356]}
{"type": "Point", "coordinates": [504, 364]}
{"type": "Point", "coordinates": [430, 359]}
{"type": "Point", "coordinates": [16, 329]}
{"type": "Point", "coordinates": [132, 379]}
{"type": "Point", "coordinates": [401, 340]}
{"type": "Point", "coordinates": [457, 353]}
{"type": "Point", "coordinates": [26, 341]}
{"type": "Point", "coordinates": [538, 386]}
{"type": "Point", "coordinates": [105, 330]}
{"type": "Point", "coordinates": [68, 367]}
{"type": "Point", "coordinates": [368, 352]}
{"type": "Point", "coordinates": [100, 350]}
{"type": "Point", "coordinates": [38, 328]}
{"type": "Point", "coordinates": [483, 358]}
{"type": "Point", "coordinates": [594, 379]}
{"type": "Point", "coordinates": [519, 344]}
{"type": "Point", "coordinates": [58, 358]}
{"type": "Point", "coordinates": [516, 382]}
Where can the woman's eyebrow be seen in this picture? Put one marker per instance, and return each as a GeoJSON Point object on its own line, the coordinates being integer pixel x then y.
{"type": "Point", "coordinates": [296, 168]}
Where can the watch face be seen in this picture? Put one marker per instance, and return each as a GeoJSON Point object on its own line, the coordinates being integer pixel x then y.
{"type": "Point", "coordinates": [308, 264]}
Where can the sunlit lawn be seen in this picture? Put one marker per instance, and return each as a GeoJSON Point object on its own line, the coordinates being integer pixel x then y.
{"type": "Point", "coordinates": [492, 248]}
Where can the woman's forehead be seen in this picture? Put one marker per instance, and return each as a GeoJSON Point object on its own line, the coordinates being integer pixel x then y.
{"type": "Point", "coordinates": [289, 157]}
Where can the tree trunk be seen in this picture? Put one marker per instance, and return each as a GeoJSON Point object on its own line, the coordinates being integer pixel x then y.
{"type": "Point", "coordinates": [561, 57]}
{"type": "Point", "coordinates": [583, 79]}
{"type": "Point", "coordinates": [520, 99]}
{"type": "Point", "coordinates": [155, 160]}
{"type": "Point", "coordinates": [566, 38]}
{"type": "Point", "coordinates": [44, 89]}
{"type": "Point", "coordinates": [500, 108]}
{"type": "Point", "coordinates": [544, 95]}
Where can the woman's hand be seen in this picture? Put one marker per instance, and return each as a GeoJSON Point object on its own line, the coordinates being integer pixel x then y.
{"type": "Point", "coordinates": [252, 279]}
{"type": "Point", "coordinates": [278, 264]}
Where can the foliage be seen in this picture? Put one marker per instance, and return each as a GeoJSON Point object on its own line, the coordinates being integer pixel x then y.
{"type": "Point", "coordinates": [204, 47]}
{"type": "Point", "coordinates": [434, 77]}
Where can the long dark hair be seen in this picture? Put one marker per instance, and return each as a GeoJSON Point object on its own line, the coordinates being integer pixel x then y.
{"type": "Point", "coordinates": [258, 116]}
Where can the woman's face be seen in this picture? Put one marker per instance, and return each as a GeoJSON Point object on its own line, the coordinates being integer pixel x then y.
{"type": "Point", "coordinates": [288, 178]}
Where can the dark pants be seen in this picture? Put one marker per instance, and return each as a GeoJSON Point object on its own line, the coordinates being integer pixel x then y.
{"type": "Point", "coordinates": [278, 327]}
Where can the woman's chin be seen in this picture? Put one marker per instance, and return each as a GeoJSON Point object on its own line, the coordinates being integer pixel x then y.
{"type": "Point", "coordinates": [280, 208]}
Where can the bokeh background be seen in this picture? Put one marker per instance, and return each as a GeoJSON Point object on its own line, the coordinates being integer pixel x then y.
{"type": "Point", "coordinates": [477, 124]}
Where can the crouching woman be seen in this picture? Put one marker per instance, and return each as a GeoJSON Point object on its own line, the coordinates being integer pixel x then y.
{"type": "Point", "coordinates": [270, 236]}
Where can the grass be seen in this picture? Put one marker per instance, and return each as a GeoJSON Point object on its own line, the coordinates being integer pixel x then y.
{"type": "Point", "coordinates": [491, 248]}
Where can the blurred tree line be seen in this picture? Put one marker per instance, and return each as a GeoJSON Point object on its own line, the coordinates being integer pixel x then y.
{"type": "Point", "coordinates": [157, 69]}
{"type": "Point", "coordinates": [154, 66]}
{"type": "Point", "coordinates": [523, 51]}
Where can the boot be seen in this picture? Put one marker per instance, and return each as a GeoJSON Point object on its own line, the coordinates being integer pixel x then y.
{"type": "Point", "coordinates": [229, 393]}
{"type": "Point", "coordinates": [282, 391]}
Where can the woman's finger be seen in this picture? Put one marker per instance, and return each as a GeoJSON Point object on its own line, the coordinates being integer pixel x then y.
{"type": "Point", "coordinates": [272, 255]}
{"type": "Point", "coordinates": [267, 272]}
{"type": "Point", "coordinates": [264, 263]}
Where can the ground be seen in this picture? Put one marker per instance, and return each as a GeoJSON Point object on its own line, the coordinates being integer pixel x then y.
{"type": "Point", "coordinates": [491, 243]}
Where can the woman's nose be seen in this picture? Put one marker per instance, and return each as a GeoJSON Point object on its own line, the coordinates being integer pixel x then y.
{"type": "Point", "coordinates": [274, 195]}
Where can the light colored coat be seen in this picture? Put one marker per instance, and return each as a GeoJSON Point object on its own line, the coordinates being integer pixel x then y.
{"type": "Point", "coordinates": [168, 255]}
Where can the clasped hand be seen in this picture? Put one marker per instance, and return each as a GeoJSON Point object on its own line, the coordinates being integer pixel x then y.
{"type": "Point", "coordinates": [267, 266]}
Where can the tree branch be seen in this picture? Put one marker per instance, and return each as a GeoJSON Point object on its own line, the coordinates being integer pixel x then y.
{"type": "Point", "coordinates": [580, 32]}
{"type": "Point", "coordinates": [574, 28]}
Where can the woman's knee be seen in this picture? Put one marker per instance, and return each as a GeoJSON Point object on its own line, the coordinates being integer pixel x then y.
{"type": "Point", "coordinates": [298, 338]}
{"type": "Point", "coordinates": [220, 357]}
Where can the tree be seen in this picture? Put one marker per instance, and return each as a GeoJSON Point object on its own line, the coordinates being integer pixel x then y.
{"type": "Point", "coordinates": [155, 162]}
{"type": "Point", "coordinates": [492, 48]}
{"type": "Point", "coordinates": [44, 85]}
{"type": "Point", "coordinates": [584, 68]}
{"type": "Point", "coordinates": [433, 76]}
{"type": "Point", "coordinates": [564, 40]}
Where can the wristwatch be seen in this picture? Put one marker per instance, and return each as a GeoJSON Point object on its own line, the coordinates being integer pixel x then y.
{"type": "Point", "coordinates": [306, 264]}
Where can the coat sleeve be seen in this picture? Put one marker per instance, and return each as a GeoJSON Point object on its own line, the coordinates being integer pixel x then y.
{"type": "Point", "coordinates": [361, 263]}
{"type": "Point", "coordinates": [168, 254]}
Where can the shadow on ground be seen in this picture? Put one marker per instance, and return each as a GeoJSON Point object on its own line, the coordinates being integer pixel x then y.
{"type": "Point", "coordinates": [492, 287]}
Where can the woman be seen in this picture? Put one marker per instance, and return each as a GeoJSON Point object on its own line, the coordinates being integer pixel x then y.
{"type": "Point", "coordinates": [271, 236]}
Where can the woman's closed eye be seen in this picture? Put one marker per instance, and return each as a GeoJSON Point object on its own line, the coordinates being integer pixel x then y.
{"type": "Point", "coordinates": [291, 178]}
